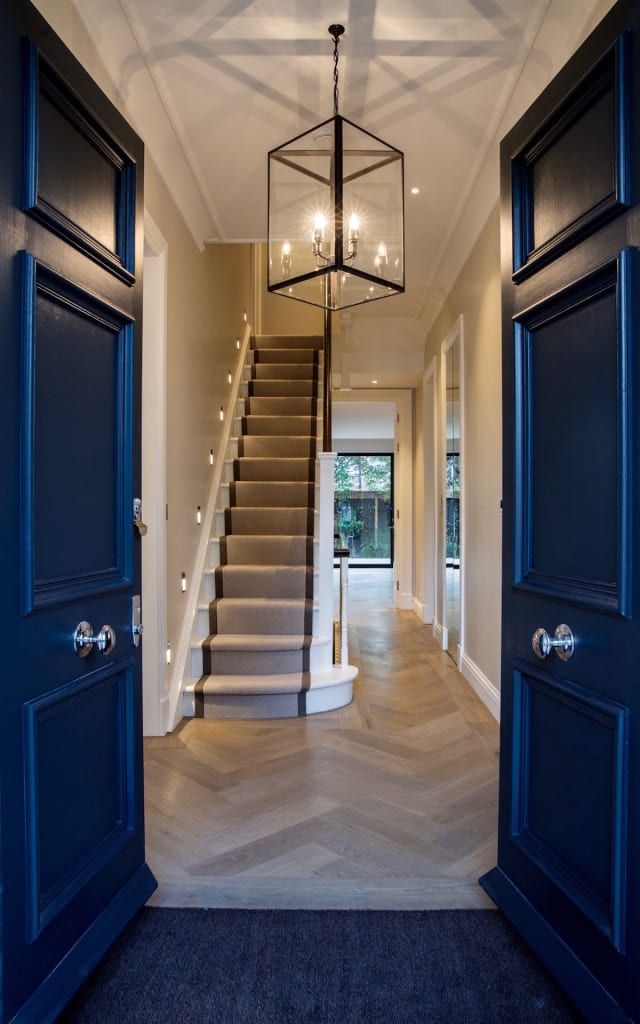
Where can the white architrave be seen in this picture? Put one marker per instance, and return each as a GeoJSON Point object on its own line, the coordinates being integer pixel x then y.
{"type": "Point", "coordinates": [455, 334]}
{"type": "Point", "coordinates": [155, 679]}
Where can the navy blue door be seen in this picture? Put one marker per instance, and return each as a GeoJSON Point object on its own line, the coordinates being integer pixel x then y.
{"type": "Point", "coordinates": [71, 829]}
{"type": "Point", "coordinates": [568, 871]}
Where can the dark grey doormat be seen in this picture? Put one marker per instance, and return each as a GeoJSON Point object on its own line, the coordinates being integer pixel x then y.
{"type": "Point", "coordinates": [319, 967]}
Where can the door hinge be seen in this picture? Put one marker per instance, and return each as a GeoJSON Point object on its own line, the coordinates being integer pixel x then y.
{"type": "Point", "coordinates": [137, 628]}
{"type": "Point", "coordinates": [397, 584]}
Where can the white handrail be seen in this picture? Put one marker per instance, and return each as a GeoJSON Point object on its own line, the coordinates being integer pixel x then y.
{"type": "Point", "coordinates": [184, 643]}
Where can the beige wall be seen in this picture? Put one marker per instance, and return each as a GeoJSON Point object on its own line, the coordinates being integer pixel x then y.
{"type": "Point", "coordinates": [276, 314]}
{"type": "Point", "coordinates": [207, 292]}
{"type": "Point", "coordinates": [476, 296]}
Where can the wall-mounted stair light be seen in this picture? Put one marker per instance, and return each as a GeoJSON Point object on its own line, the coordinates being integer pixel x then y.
{"type": "Point", "coordinates": [211, 456]}
{"type": "Point", "coordinates": [244, 315]}
{"type": "Point", "coordinates": [339, 241]}
{"type": "Point", "coordinates": [183, 583]}
{"type": "Point", "coordinates": [238, 343]}
{"type": "Point", "coordinates": [229, 377]}
{"type": "Point", "coordinates": [221, 414]}
{"type": "Point", "coordinates": [168, 654]}
{"type": "Point", "coordinates": [198, 515]}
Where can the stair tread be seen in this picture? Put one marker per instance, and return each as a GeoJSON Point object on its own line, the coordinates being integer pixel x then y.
{"type": "Point", "coordinates": [292, 682]}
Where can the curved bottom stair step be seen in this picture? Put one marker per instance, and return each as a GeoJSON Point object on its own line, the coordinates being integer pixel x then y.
{"type": "Point", "coordinates": [290, 695]}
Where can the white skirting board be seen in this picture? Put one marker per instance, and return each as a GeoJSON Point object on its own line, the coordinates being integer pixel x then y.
{"type": "Point", "coordinates": [404, 601]}
{"type": "Point", "coordinates": [488, 693]}
{"type": "Point", "coordinates": [440, 634]}
{"type": "Point", "coordinates": [422, 612]}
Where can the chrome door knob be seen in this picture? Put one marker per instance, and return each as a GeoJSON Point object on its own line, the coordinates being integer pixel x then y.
{"type": "Point", "coordinates": [84, 640]}
{"type": "Point", "coordinates": [562, 642]}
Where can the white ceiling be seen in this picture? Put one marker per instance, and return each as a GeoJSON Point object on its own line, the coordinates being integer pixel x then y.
{"type": "Point", "coordinates": [212, 85]}
{"type": "Point", "coordinates": [363, 420]}
{"type": "Point", "coordinates": [238, 77]}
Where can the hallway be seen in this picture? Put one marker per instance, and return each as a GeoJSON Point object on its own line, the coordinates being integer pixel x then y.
{"type": "Point", "coordinates": [388, 803]}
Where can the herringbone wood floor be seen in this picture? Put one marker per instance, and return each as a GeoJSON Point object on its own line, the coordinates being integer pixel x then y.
{"type": "Point", "coordinates": [391, 802]}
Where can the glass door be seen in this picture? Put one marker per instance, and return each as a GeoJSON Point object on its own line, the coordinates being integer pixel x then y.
{"type": "Point", "coordinates": [364, 507]}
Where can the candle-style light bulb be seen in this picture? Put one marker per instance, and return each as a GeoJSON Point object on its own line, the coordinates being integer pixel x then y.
{"type": "Point", "coordinates": [319, 224]}
{"type": "Point", "coordinates": [382, 259]}
{"type": "Point", "coordinates": [354, 236]}
{"type": "Point", "coordinates": [286, 258]}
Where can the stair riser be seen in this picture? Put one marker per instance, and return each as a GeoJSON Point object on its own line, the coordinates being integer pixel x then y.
{"type": "Point", "coordinates": [268, 494]}
{"type": "Point", "coordinates": [264, 341]}
{"type": "Point", "coordinates": [208, 592]}
{"type": "Point", "coordinates": [279, 426]}
{"type": "Point", "coordinates": [285, 355]}
{"type": "Point", "coordinates": [226, 617]}
{"type": "Point", "coordinates": [267, 522]}
{"type": "Point", "coordinates": [287, 470]}
{"type": "Point", "coordinates": [282, 388]}
{"type": "Point", "coordinates": [284, 406]}
{"type": "Point", "coordinates": [292, 583]}
{"type": "Point", "coordinates": [278, 447]}
{"type": "Point", "coordinates": [284, 371]}
{"type": "Point", "coordinates": [250, 663]}
{"type": "Point", "coordinates": [263, 551]}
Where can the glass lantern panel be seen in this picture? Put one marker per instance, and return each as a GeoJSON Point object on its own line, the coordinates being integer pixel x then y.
{"type": "Point", "coordinates": [300, 205]}
{"type": "Point", "coordinates": [373, 201]}
{"type": "Point", "coordinates": [312, 290]}
{"type": "Point", "coordinates": [345, 290]}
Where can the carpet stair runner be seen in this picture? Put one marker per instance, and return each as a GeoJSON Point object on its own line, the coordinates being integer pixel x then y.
{"type": "Point", "coordinates": [257, 658]}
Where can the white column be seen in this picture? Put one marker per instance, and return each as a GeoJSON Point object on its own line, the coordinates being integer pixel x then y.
{"type": "Point", "coordinates": [326, 462]}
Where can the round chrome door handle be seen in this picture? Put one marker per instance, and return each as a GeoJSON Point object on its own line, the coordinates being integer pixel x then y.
{"type": "Point", "coordinates": [563, 642]}
{"type": "Point", "coordinates": [84, 640]}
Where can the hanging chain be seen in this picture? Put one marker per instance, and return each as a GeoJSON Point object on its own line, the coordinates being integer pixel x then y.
{"type": "Point", "coordinates": [336, 92]}
{"type": "Point", "coordinates": [335, 31]}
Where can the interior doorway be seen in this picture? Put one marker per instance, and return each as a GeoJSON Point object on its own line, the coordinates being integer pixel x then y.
{"type": "Point", "coordinates": [364, 503]}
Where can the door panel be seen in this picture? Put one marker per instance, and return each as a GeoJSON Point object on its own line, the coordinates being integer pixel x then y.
{"type": "Point", "coordinates": [95, 210]}
{"type": "Point", "coordinates": [573, 355]}
{"type": "Point", "coordinates": [78, 354]}
{"type": "Point", "coordinates": [570, 741]}
{"type": "Point", "coordinates": [72, 868]}
{"type": "Point", "coordinates": [553, 205]}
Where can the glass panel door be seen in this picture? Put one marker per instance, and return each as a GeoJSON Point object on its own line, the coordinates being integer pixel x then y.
{"type": "Point", "coordinates": [364, 507]}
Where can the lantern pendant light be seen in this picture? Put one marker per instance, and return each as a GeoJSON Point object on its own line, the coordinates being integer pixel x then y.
{"type": "Point", "coordinates": [336, 213]}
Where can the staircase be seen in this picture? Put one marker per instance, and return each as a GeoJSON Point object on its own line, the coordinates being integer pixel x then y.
{"type": "Point", "coordinates": [263, 655]}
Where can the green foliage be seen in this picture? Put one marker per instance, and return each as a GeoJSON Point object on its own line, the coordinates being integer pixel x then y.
{"type": "Point", "coordinates": [363, 473]}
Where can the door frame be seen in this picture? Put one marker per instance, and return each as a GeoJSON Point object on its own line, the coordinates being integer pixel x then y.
{"type": "Point", "coordinates": [403, 482]}
{"type": "Point", "coordinates": [155, 678]}
{"type": "Point", "coordinates": [430, 449]}
{"type": "Point", "coordinates": [455, 334]}
{"type": "Point", "coordinates": [391, 456]}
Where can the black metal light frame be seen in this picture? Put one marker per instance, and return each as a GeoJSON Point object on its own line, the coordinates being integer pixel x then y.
{"type": "Point", "coordinates": [335, 183]}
